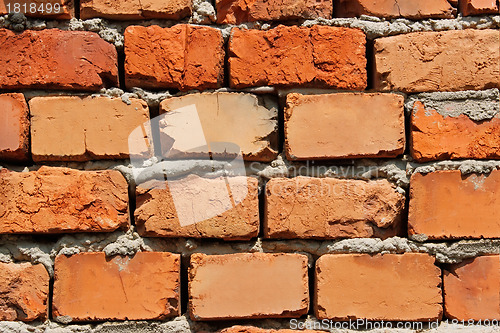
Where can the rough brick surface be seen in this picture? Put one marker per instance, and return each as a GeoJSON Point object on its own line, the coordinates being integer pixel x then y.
{"type": "Point", "coordinates": [82, 129]}
{"type": "Point", "coordinates": [14, 127]}
{"type": "Point", "coordinates": [238, 119]}
{"type": "Point", "coordinates": [478, 7]}
{"type": "Point", "coordinates": [395, 8]}
{"type": "Point", "coordinates": [435, 61]}
{"type": "Point", "coordinates": [248, 285]}
{"type": "Point", "coordinates": [435, 137]}
{"type": "Point", "coordinates": [135, 9]}
{"type": "Point", "coordinates": [56, 59]}
{"type": "Point", "coordinates": [304, 207]}
{"type": "Point", "coordinates": [448, 205]}
{"type": "Point", "coordinates": [251, 329]}
{"type": "Point", "coordinates": [347, 125]}
{"type": "Point", "coordinates": [56, 200]}
{"type": "Point", "coordinates": [39, 8]}
{"type": "Point", "coordinates": [320, 56]}
{"type": "Point", "coordinates": [24, 290]}
{"type": "Point", "coordinates": [184, 57]}
{"type": "Point", "coordinates": [381, 287]}
{"type": "Point", "coordinates": [239, 11]}
{"type": "Point", "coordinates": [471, 289]}
{"type": "Point", "coordinates": [156, 213]}
{"type": "Point", "coordinates": [89, 286]}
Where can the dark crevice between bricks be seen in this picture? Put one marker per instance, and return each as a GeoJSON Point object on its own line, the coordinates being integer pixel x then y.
{"type": "Point", "coordinates": [408, 116]}
{"type": "Point", "coordinates": [281, 124]}
{"type": "Point", "coordinates": [184, 282]}
{"type": "Point", "coordinates": [262, 211]}
{"type": "Point", "coordinates": [154, 114]}
{"type": "Point", "coordinates": [312, 289]}
{"type": "Point", "coordinates": [121, 69]}
{"type": "Point", "coordinates": [370, 63]}
{"type": "Point", "coordinates": [225, 47]}
{"type": "Point", "coordinates": [132, 203]}
{"type": "Point", "coordinates": [77, 8]}
{"type": "Point", "coordinates": [50, 299]}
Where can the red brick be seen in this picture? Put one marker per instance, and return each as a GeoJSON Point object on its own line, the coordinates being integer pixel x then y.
{"type": "Point", "coordinates": [251, 329]}
{"type": "Point", "coordinates": [87, 128]}
{"type": "Point", "coordinates": [57, 200]}
{"type": "Point", "coordinates": [14, 128]}
{"type": "Point", "coordinates": [435, 137]}
{"type": "Point", "coordinates": [389, 287]}
{"type": "Point", "coordinates": [304, 207]}
{"type": "Point", "coordinates": [135, 9]}
{"type": "Point", "coordinates": [449, 205]}
{"type": "Point", "coordinates": [478, 7]}
{"type": "Point", "coordinates": [239, 11]}
{"type": "Point", "coordinates": [346, 125]}
{"type": "Point", "coordinates": [156, 213]}
{"type": "Point", "coordinates": [244, 120]}
{"type": "Point", "coordinates": [90, 287]}
{"type": "Point", "coordinates": [471, 289]}
{"type": "Point", "coordinates": [248, 285]}
{"type": "Point", "coordinates": [23, 291]}
{"type": "Point", "coordinates": [39, 8]}
{"type": "Point", "coordinates": [395, 8]}
{"type": "Point", "coordinates": [320, 56]}
{"type": "Point", "coordinates": [435, 61]}
{"type": "Point", "coordinates": [184, 57]}
{"type": "Point", "coordinates": [56, 59]}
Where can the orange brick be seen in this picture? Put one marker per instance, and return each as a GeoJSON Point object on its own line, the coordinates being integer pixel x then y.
{"type": "Point", "coordinates": [304, 207]}
{"type": "Point", "coordinates": [82, 129]}
{"type": "Point", "coordinates": [14, 128]}
{"type": "Point", "coordinates": [57, 200]}
{"type": "Point", "coordinates": [24, 290]}
{"type": "Point", "coordinates": [239, 11]}
{"type": "Point", "coordinates": [395, 8]}
{"type": "Point", "coordinates": [135, 9]}
{"type": "Point", "coordinates": [435, 61]}
{"type": "Point", "coordinates": [471, 289]}
{"type": "Point", "coordinates": [156, 213]}
{"type": "Point", "coordinates": [449, 205]}
{"type": "Point", "coordinates": [320, 56]}
{"type": "Point", "coordinates": [389, 287]}
{"type": "Point", "coordinates": [47, 9]}
{"type": "Point", "coordinates": [70, 60]}
{"type": "Point", "coordinates": [90, 287]}
{"type": "Point", "coordinates": [435, 137]}
{"type": "Point", "coordinates": [346, 125]}
{"type": "Point", "coordinates": [184, 57]}
{"type": "Point", "coordinates": [248, 285]}
{"type": "Point", "coordinates": [478, 7]}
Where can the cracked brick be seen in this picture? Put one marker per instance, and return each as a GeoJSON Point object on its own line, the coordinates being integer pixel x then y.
{"type": "Point", "coordinates": [136, 9]}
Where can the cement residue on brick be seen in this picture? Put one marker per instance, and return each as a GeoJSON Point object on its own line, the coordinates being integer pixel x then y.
{"type": "Point", "coordinates": [477, 105]}
{"type": "Point", "coordinates": [466, 166]}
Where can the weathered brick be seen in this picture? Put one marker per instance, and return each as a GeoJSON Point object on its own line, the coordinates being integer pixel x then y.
{"type": "Point", "coordinates": [435, 61]}
{"type": "Point", "coordinates": [156, 213]}
{"type": "Point", "coordinates": [49, 9]}
{"type": "Point", "coordinates": [238, 119]}
{"type": "Point", "coordinates": [395, 8]}
{"type": "Point", "coordinates": [14, 128]}
{"type": "Point", "coordinates": [320, 56]}
{"type": "Point", "coordinates": [239, 11]}
{"type": "Point", "coordinates": [438, 137]}
{"type": "Point", "coordinates": [135, 9]}
{"type": "Point", "coordinates": [87, 128]}
{"type": "Point", "coordinates": [23, 291]}
{"type": "Point", "coordinates": [248, 285]}
{"type": "Point", "coordinates": [478, 7]}
{"type": "Point", "coordinates": [184, 57]}
{"type": "Point", "coordinates": [90, 287]}
{"type": "Point", "coordinates": [56, 200]}
{"type": "Point", "coordinates": [389, 287]}
{"type": "Point", "coordinates": [304, 207]}
{"type": "Point", "coordinates": [449, 205]}
{"type": "Point", "coordinates": [471, 289]}
{"type": "Point", "coordinates": [345, 125]}
{"type": "Point", "coordinates": [251, 329]}
{"type": "Point", "coordinates": [56, 59]}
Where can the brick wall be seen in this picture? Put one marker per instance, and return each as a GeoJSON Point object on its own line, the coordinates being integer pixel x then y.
{"type": "Point", "coordinates": [249, 166]}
